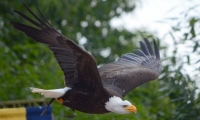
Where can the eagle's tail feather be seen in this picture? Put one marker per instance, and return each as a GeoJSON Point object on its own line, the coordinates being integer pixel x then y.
{"type": "Point", "coordinates": [53, 93]}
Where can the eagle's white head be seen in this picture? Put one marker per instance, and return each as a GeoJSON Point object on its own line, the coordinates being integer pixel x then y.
{"type": "Point", "coordinates": [117, 105]}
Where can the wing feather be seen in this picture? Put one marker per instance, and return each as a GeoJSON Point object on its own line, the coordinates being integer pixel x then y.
{"type": "Point", "coordinates": [149, 48]}
{"type": "Point", "coordinates": [132, 70]}
{"type": "Point", "coordinates": [78, 66]}
{"type": "Point", "coordinates": [144, 48]}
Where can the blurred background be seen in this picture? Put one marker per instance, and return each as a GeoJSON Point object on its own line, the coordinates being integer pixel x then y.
{"type": "Point", "coordinates": [108, 29]}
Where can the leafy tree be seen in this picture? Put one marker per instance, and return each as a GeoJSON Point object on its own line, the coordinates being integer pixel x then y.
{"type": "Point", "coordinates": [179, 83]}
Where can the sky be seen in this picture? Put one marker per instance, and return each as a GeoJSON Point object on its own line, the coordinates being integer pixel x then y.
{"type": "Point", "coordinates": [150, 14]}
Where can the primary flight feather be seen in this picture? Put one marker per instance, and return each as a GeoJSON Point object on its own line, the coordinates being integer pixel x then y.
{"type": "Point", "coordinates": [87, 88]}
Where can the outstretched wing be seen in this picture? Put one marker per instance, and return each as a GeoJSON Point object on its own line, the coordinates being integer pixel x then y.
{"type": "Point", "coordinates": [78, 66]}
{"type": "Point", "coordinates": [132, 70]}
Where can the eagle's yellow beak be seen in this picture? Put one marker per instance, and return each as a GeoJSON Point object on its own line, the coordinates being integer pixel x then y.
{"type": "Point", "coordinates": [131, 108]}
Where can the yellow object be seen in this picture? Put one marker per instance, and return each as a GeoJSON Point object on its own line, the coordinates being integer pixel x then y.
{"type": "Point", "coordinates": [131, 108]}
{"type": "Point", "coordinates": [13, 114]}
{"type": "Point", "coordinates": [60, 100]}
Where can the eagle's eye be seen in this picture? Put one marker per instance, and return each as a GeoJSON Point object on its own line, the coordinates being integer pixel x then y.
{"type": "Point", "coordinates": [124, 106]}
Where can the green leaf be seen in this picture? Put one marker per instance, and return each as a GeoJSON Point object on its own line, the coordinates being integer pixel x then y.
{"type": "Point", "coordinates": [195, 46]}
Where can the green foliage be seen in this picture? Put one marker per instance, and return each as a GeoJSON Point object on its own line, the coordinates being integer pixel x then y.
{"type": "Point", "coordinates": [25, 63]}
{"type": "Point", "coordinates": [180, 85]}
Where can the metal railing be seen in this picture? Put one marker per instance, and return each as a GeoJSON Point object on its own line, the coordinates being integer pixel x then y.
{"type": "Point", "coordinates": [23, 103]}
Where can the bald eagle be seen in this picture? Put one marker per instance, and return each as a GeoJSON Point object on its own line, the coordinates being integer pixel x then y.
{"type": "Point", "coordinates": [88, 88]}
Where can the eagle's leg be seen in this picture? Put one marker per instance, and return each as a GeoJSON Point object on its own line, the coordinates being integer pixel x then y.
{"type": "Point", "coordinates": [47, 106]}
